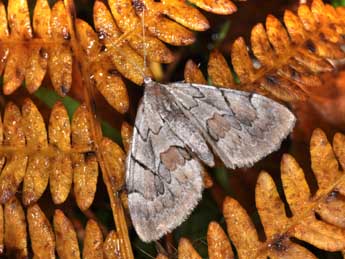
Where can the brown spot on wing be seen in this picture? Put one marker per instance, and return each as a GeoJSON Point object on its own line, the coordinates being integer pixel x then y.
{"type": "Point", "coordinates": [171, 158]}
{"type": "Point", "coordinates": [218, 126]}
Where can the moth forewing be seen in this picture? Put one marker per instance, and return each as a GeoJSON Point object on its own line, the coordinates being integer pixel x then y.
{"type": "Point", "coordinates": [175, 123]}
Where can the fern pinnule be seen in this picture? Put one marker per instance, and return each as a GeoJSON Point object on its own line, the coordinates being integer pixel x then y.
{"type": "Point", "coordinates": [15, 238]}
{"type": "Point", "coordinates": [218, 243]}
{"type": "Point", "coordinates": [35, 162]}
{"type": "Point", "coordinates": [104, 74]}
{"type": "Point", "coordinates": [285, 62]}
{"type": "Point", "coordinates": [41, 233]}
{"type": "Point", "coordinates": [93, 241]}
{"type": "Point", "coordinates": [186, 250]}
{"type": "Point", "coordinates": [61, 174]}
{"type": "Point", "coordinates": [37, 170]}
{"type": "Point", "coordinates": [65, 236]}
{"type": "Point", "coordinates": [126, 135]}
{"type": "Point", "coordinates": [316, 219]}
{"type": "Point", "coordinates": [28, 52]}
{"type": "Point", "coordinates": [48, 238]}
{"type": "Point", "coordinates": [60, 54]}
{"type": "Point", "coordinates": [192, 73]}
{"type": "Point", "coordinates": [13, 171]}
{"type": "Point", "coordinates": [85, 166]}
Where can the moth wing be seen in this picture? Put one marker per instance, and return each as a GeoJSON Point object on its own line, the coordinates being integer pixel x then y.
{"type": "Point", "coordinates": [164, 180]}
{"type": "Point", "coordinates": [240, 127]}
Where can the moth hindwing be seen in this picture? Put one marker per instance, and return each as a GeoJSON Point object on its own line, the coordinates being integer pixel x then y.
{"type": "Point", "coordinates": [174, 122]}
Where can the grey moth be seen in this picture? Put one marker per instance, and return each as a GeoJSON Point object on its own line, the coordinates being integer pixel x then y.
{"type": "Point", "coordinates": [178, 127]}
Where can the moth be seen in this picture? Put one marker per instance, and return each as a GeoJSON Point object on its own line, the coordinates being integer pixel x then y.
{"type": "Point", "coordinates": [178, 127]}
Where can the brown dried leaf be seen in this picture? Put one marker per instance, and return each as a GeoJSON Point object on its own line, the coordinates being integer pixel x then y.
{"type": "Point", "coordinates": [270, 207]}
{"type": "Point", "coordinates": [19, 24]}
{"type": "Point", "coordinates": [60, 54]}
{"type": "Point", "coordinates": [37, 174]}
{"type": "Point", "coordinates": [38, 58]}
{"type": "Point", "coordinates": [261, 46]}
{"type": "Point", "coordinates": [66, 238]}
{"type": "Point", "coordinates": [128, 21]}
{"type": "Point", "coordinates": [325, 233]}
{"type": "Point", "coordinates": [296, 189]}
{"type": "Point", "coordinates": [332, 210]}
{"type": "Point", "coordinates": [93, 241]}
{"type": "Point", "coordinates": [128, 62]}
{"type": "Point", "coordinates": [115, 158]}
{"type": "Point", "coordinates": [218, 243]}
{"type": "Point", "coordinates": [320, 234]}
{"type": "Point", "coordinates": [284, 62]}
{"type": "Point", "coordinates": [2, 230]}
{"type": "Point", "coordinates": [323, 161]}
{"type": "Point", "coordinates": [241, 61]}
{"type": "Point", "coordinates": [192, 74]}
{"type": "Point", "coordinates": [3, 35]}
{"type": "Point", "coordinates": [218, 70]}
{"type": "Point", "coordinates": [186, 250]}
{"type": "Point", "coordinates": [126, 135]}
{"type": "Point", "coordinates": [15, 68]}
{"type": "Point", "coordinates": [277, 35]}
{"type": "Point", "coordinates": [184, 14]}
{"type": "Point", "coordinates": [103, 73]}
{"type": "Point", "coordinates": [218, 7]}
{"type": "Point", "coordinates": [85, 167]}
{"type": "Point", "coordinates": [111, 247]}
{"type": "Point", "coordinates": [15, 237]}
{"type": "Point", "coordinates": [13, 172]}
{"type": "Point", "coordinates": [338, 147]}
{"type": "Point", "coordinates": [238, 222]}
{"type": "Point", "coordinates": [161, 256]}
{"type": "Point", "coordinates": [41, 233]}
{"type": "Point", "coordinates": [165, 29]}
{"type": "Point", "coordinates": [61, 173]}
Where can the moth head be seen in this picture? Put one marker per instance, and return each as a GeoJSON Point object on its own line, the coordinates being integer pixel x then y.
{"type": "Point", "coordinates": [147, 80]}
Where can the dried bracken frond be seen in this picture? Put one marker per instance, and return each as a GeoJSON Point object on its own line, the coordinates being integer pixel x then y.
{"type": "Point", "coordinates": [192, 74]}
{"type": "Point", "coordinates": [61, 173]}
{"type": "Point", "coordinates": [34, 161]}
{"type": "Point", "coordinates": [66, 237]}
{"type": "Point", "coordinates": [13, 171]}
{"type": "Point", "coordinates": [111, 246]}
{"type": "Point", "coordinates": [186, 250]}
{"type": "Point", "coordinates": [218, 243]}
{"type": "Point", "coordinates": [116, 47]}
{"type": "Point", "coordinates": [93, 241]}
{"type": "Point", "coordinates": [41, 233]}
{"type": "Point", "coordinates": [68, 155]}
{"type": "Point", "coordinates": [284, 62]}
{"type": "Point", "coordinates": [325, 232]}
{"type": "Point", "coordinates": [47, 240]}
{"type": "Point", "coordinates": [15, 237]}
{"type": "Point", "coordinates": [37, 174]}
{"type": "Point", "coordinates": [126, 135]}
{"type": "Point", "coordinates": [85, 166]}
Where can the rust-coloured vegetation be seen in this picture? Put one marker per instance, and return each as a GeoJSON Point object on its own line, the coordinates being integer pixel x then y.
{"type": "Point", "coordinates": [113, 47]}
{"type": "Point", "coordinates": [71, 155]}
{"type": "Point", "coordinates": [316, 219]}
{"type": "Point", "coordinates": [283, 62]}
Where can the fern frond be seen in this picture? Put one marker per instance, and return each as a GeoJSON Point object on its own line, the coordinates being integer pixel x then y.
{"type": "Point", "coordinates": [31, 158]}
{"type": "Point", "coordinates": [285, 62]}
{"type": "Point", "coordinates": [47, 237]}
{"type": "Point", "coordinates": [28, 52]}
{"type": "Point", "coordinates": [316, 219]}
